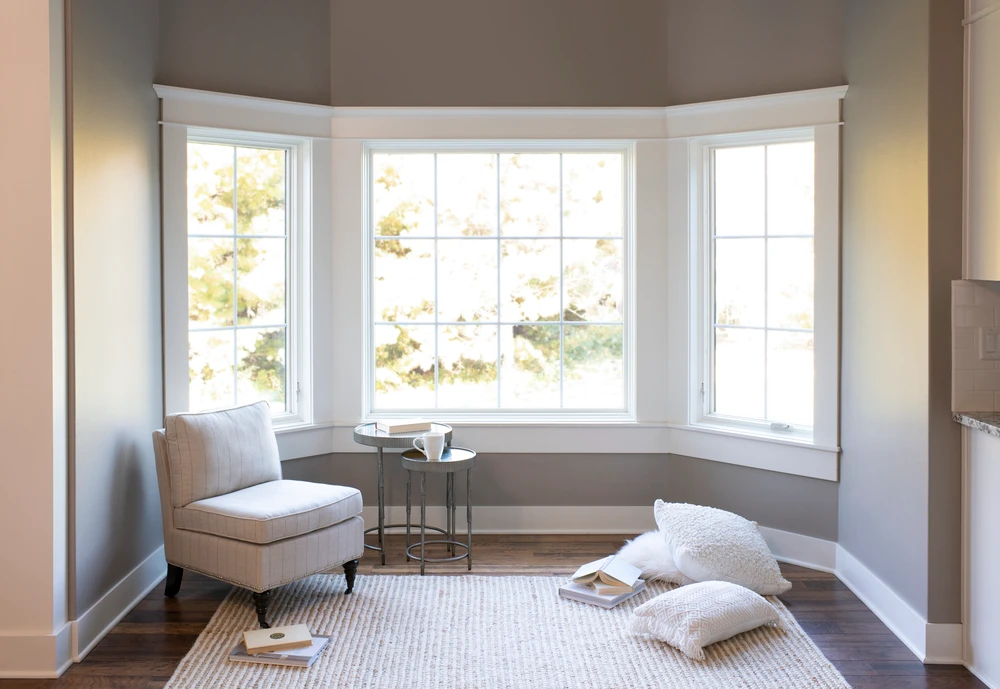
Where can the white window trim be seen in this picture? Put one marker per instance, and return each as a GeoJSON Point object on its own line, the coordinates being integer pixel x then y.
{"type": "Point", "coordinates": [304, 212]}
{"type": "Point", "coordinates": [710, 436]}
{"type": "Point", "coordinates": [661, 272]}
{"type": "Point", "coordinates": [502, 416]}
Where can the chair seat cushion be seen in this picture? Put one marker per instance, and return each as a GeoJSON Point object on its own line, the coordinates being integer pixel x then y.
{"type": "Point", "coordinates": [271, 511]}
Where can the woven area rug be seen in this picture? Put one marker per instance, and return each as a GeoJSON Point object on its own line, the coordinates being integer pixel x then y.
{"type": "Point", "coordinates": [490, 633]}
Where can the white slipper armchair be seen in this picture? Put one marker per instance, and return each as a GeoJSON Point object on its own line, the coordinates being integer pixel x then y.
{"type": "Point", "coordinates": [227, 512]}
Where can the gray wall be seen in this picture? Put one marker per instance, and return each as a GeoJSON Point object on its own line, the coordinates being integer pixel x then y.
{"type": "Point", "coordinates": [944, 155]}
{"type": "Point", "coordinates": [116, 259]}
{"type": "Point", "coordinates": [266, 48]}
{"type": "Point", "coordinates": [720, 49]}
{"type": "Point", "coordinates": [782, 501]}
{"type": "Point", "coordinates": [490, 53]}
{"type": "Point", "coordinates": [511, 53]}
{"type": "Point", "coordinates": [901, 245]}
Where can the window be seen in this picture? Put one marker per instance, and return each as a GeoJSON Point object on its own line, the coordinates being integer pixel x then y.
{"type": "Point", "coordinates": [498, 279]}
{"type": "Point", "coordinates": [241, 301]}
{"type": "Point", "coordinates": [761, 294]}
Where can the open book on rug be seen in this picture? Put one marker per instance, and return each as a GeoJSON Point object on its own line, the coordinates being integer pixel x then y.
{"type": "Point", "coordinates": [610, 575]}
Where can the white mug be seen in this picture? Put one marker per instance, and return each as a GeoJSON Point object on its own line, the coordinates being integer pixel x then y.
{"type": "Point", "coordinates": [431, 444]}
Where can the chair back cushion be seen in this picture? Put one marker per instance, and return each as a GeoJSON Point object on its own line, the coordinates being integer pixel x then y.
{"type": "Point", "coordinates": [213, 453]}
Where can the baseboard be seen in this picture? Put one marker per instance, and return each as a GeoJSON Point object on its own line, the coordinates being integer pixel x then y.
{"type": "Point", "coordinates": [796, 549]}
{"type": "Point", "coordinates": [36, 656]}
{"type": "Point", "coordinates": [931, 643]}
{"type": "Point", "coordinates": [95, 623]}
{"type": "Point", "coordinates": [981, 677]}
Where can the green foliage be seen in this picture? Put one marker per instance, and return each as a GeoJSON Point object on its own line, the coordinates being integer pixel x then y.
{"type": "Point", "coordinates": [260, 189]}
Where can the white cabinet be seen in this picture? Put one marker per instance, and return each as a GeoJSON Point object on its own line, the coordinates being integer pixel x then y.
{"type": "Point", "coordinates": [982, 556]}
{"type": "Point", "coordinates": [982, 217]}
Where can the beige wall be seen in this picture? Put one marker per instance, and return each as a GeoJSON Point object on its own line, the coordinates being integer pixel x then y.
{"type": "Point", "coordinates": [32, 354]}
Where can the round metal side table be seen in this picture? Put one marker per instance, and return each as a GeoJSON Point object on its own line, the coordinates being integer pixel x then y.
{"type": "Point", "coordinates": [367, 434]}
{"type": "Point", "coordinates": [454, 459]}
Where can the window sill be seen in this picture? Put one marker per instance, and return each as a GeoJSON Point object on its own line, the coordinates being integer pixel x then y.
{"type": "Point", "coordinates": [769, 451]}
{"type": "Point", "coordinates": [721, 445]}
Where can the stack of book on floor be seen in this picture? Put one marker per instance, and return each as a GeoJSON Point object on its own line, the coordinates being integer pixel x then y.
{"type": "Point", "coordinates": [605, 582]}
{"type": "Point", "coordinates": [293, 645]}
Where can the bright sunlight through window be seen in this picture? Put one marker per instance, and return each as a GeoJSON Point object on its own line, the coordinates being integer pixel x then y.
{"type": "Point", "coordinates": [762, 259]}
{"type": "Point", "coordinates": [237, 268]}
{"type": "Point", "coordinates": [498, 280]}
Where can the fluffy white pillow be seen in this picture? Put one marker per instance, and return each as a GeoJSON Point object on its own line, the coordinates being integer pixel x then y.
{"type": "Point", "coordinates": [693, 617]}
{"type": "Point", "coordinates": [709, 544]}
{"type": "Point", "coordinates": [649, 552]}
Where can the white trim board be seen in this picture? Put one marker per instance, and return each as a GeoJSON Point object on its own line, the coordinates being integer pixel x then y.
{"type": "Point", "coordinates": [931, 643]}
{"type": "Point", "coordinates": [95, 623]}
{"type": "Point", "coordinates": [31, 656]}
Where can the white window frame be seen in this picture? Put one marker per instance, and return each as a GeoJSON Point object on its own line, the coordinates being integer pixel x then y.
{"type": "Point", "coordinates": [626, 413]}
{"type": "Point", "coordinates": [703, 320]}
{"type": "Point", "coordinates": [297, 279]}
{"type": "Point", "coordinates": [664, 342]}
{"type": "Point", "coordinates": [197, 116]}
{"type": "Point", "coordinates": [697, 428]}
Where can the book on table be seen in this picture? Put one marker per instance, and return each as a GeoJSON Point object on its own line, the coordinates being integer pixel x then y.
{"type": "Point", "coordinates": [402, 425]}
{"type": "Point", "coordinates": [296, 657]}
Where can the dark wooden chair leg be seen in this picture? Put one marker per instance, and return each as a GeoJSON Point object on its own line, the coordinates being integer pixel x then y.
{"type": "Point", "coordinates": [261, 601]}
{"type": "Point", "coordinates": [350, 571]}
{"type": "Point", "coordinates": [174, 576]}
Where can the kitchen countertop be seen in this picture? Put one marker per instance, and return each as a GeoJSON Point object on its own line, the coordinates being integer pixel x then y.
{"type": "Point", "coordinates": [985, 421]}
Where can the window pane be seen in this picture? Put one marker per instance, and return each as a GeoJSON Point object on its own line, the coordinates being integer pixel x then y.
{"type": "Point", "coordinates": [529, 280]}
{"type": "Point", "coordinates": [210, 282]}
{"type": "Point", "coordinates": [790, 375]}
{"type": "Point", "coordinates": [467, 194]}
{"type": "Point", "coordinates": [260, 191]}
{"type": "Point", "coordinates": [404, 280]}
{"type": "Point", "coordinates": [592, 195]}
{"type": "Point", "coordinates": [403, 194]}
{"type": "Point", "coordinates": [790, 179]}
{"type": "Point", "coordinates": [210, 365]}
{"type": "Point", "coordinates": [739, 191]}
{"type": "Point", "coordinates": [739, 372]}
{"type": "Point", "coordinates": [529, 194]}
{"type": "Point", "coordinates": [530, 366]}
{"type": "Point", "coordinates": [592, 367]}
{"type": "Point", "coordinates": [594, 277]}
{"type": "Point", "coordinates": [260, 267]}
{"type": "Point", "coordinates": [467, 280]}
{"type": "Point", "coordinates": [261, 367]}
{"type": "Point", "coordinates": [404, 367]}
{"type": "Point", "coordinates": [739, 282]}
{"type": "Point", "coordinates": [790, 267]}
{"type": "Point", "coordinates": [210, 188]}
{"type": "Point", "coordinates": [468, 360]}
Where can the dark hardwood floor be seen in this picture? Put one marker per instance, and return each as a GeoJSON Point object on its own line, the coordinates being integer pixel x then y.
{"type": "Point", "coordinates": [146, 646]}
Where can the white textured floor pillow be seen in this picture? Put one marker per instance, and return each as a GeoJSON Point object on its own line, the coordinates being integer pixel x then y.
{"type": "Point", "coordinates": [649, 552]}
{"type": "Point", "coordinates": [693, 617]}
{"type": "Point", "coordinates": [709, 544]}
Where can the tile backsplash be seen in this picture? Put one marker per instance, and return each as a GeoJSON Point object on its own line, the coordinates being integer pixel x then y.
{"type": "Point", "coordinates": [975, 384]}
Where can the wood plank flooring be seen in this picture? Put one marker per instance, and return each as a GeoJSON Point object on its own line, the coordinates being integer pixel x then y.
{"type": "Point", "coordinates": [143, 650]}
